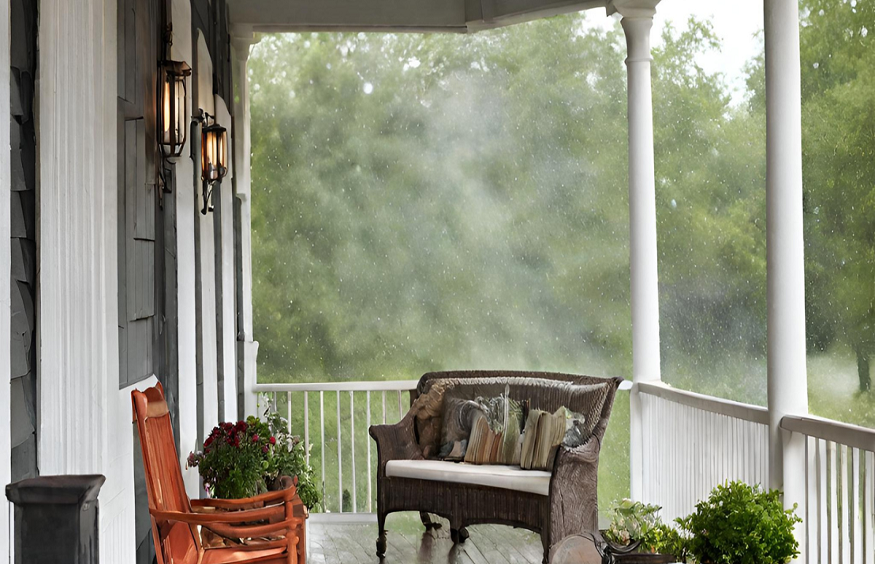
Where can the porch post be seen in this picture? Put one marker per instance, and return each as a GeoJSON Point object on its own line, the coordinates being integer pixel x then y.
{"type": "Point", "coordinates": [247, 349]}
{"type": "Point", "coordinates": [787, 375]}
{"type": "Point", "coordinates": [637, 21]}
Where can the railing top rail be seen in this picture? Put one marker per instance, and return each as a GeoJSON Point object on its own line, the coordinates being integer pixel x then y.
{"type": "Point", "coordinates": [349, 386]}
{"type": "Point", "coordinates": [829, 430]}
{"type": "Point", "coordinates": [729, 408]}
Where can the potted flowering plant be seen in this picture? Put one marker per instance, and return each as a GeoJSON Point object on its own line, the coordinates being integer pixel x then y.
{"type": "Point", "coordinates": [250, 457]}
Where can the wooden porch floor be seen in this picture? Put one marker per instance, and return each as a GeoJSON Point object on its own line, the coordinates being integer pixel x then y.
{"type": "Point", "coordinates": [409, 542]}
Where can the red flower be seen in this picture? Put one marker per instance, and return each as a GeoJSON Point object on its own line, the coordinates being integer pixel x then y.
{"type": "Point", "coordinates": [273, 440]}
{"type": "Point", "coordinates": [264, 449]}
{"type": "Point", "coordinates": [254, 438]}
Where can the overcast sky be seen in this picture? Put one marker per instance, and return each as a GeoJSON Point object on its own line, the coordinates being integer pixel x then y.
{"type": "Point", "coordinates": [735, 22]}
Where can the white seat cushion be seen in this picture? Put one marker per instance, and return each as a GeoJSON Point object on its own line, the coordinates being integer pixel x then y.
{"type": "Point", "coordinates": [493, 475]}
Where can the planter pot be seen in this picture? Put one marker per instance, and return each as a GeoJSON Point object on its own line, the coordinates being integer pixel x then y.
{"type": "Point", "coordinates": [627, 554]}
{"type": "Point", "coordinates": [643, 558]}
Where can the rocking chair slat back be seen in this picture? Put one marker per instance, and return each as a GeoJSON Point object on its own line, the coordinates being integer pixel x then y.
{"type": "Point", "coordinates": [161, 464]}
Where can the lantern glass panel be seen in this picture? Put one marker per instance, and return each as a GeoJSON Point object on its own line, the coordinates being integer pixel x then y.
{"type": "Point", "coordinates": [214, 153]}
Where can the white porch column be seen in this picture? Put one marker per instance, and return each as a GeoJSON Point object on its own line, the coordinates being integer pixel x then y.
{"type": "Point", "coordinates": [788, 379]}
{"type": "Point", "coordinates": [637, 21]}
{"type": "Point", "coordinates": [247, 349]}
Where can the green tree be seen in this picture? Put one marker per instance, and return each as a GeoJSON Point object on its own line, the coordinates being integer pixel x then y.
{"type": "Point", "coordinates": [838, 79]}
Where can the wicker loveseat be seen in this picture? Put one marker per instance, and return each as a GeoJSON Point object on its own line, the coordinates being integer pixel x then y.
{"type": "Point", "coordinates": [554, 504]}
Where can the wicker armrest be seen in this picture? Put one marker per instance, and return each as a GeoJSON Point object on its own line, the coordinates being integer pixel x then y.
{"type": "Point", "coordinates": [395, 442]}
{"type": "Point", "coordinates": [574, 489]}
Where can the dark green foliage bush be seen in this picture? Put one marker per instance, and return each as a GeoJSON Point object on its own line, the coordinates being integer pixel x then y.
{"type": "Point", "coordinates": [289, 458]}
{"type": "Point", "coordinates": [740, 524]}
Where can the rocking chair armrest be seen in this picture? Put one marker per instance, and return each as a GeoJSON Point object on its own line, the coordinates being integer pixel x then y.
{"type": "Point", "coordinates": [254, 531]}
{"type": "Point", "coordinates": [260, 500]}
{"type": "Point", "coordinates": [227, 517]}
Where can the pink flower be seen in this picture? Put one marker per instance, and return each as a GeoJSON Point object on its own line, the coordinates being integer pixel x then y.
{"type": "Point", "coordinates": [264, 449]}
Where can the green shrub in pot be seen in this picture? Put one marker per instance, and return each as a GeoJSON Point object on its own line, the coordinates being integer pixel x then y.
{"type": "Point", "coordinates": [742, 524]}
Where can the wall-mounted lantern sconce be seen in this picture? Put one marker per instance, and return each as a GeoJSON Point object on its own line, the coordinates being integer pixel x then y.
{"type": "Point", "coordinates": [172, 117]}
{"type": "Point", "coordinates": [214, 152]}
{"type": "Point", "coordinates": [214, 155]}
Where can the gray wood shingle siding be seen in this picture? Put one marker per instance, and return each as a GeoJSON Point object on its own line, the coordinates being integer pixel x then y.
{"type": "Point", "coordinates": [24, 246]}
{"type": "Point", "coordinates": [141, 221]}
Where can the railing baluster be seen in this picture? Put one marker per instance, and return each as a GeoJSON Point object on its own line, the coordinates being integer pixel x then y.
{"type": "Point", "coordinates": [400, 409]}
{"type": "Point", "coordinates": [322, 444]}
{"type": "Point", "coordinates": [352, 451]}
{"type": "Point", "coordinates": [275, 405]}
{"type": "Point", "coordinates": [289, 412]}
{"type": "Point", "coordinates": [384, 407]}
{"type": "Point", "coordinates": [856, 514]}
{"type": "Point", "coordinates": [869, 507]}
{"type": "Point", "coordinates": [339, 461]}
{"type": "Point", "coordinates": [307, 426]}
{"type": "Point", "coordinates": [811, 499]}
{"type": "Point", "coordinates": [368, 423]}
{"type": "Point", "coordinates": [832, 469]}
{"type": "Point", "coordinates": [823, 524]}
{"type": "Point", "coordinates": [844, 524]}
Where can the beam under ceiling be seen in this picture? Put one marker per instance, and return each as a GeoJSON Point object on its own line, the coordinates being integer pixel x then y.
{"type": "Point", "coordinates": [460, 16]}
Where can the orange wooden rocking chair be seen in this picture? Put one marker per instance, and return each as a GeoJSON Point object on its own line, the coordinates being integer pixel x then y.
{"type": "Point", "coordinates": [262, 529]}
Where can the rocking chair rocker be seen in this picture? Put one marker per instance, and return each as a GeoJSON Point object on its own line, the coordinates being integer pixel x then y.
{"type": "Point", "coordinates": [262, 529]}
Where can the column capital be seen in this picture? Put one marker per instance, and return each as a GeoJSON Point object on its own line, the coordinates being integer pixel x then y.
{"type": "Point", "coordinates": [242, 38]}
{"type": "Point", "coordinates": [632, 8]}
{"type": "Point", "coordinates": [637, 32]}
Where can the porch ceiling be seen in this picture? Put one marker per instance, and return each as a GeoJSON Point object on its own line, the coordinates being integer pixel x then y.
{"type": "Point", "coordinates": [459, 16]}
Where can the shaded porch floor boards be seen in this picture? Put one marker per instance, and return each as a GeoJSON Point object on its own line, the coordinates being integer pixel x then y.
{"type": "Point", "coordinates": [409, 542]}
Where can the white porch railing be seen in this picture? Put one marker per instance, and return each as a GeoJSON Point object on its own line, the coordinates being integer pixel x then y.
{"type": "Point", "coordinates": [378, 402]}
{"type": "Point", "coordinates": [840, 492]}
{"type": "Point", "coordinates": [693, 442]}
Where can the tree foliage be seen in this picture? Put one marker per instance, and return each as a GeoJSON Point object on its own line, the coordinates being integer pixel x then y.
{"type": "Point", "coordinates": [424, 202]}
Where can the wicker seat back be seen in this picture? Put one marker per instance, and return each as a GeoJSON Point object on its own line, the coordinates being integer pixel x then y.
{"type": "Point", "coordinates": [546, 391]}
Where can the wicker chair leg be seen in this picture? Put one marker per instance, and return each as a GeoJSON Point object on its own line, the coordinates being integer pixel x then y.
{"type": "Point", "coordinates": [381, 540]}
{"type": "Point", "coordinates": [463, 534]}
{"type": "Point", "coordinates": [545, 541]}
{"type": "Point", "coordinates": [426, 520]}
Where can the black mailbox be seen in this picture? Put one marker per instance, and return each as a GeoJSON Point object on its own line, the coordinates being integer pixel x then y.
{"type": "Point", "coordinates": [56, 519]}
